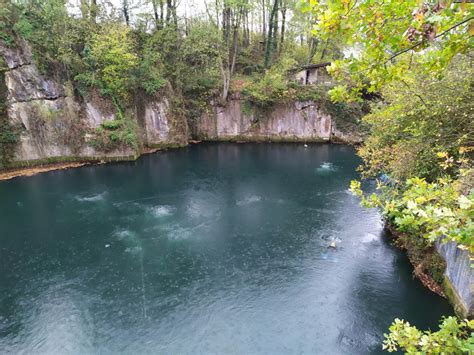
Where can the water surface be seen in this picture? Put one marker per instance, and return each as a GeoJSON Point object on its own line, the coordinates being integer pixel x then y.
{"type": "Point", "coordinates": [216, 248]}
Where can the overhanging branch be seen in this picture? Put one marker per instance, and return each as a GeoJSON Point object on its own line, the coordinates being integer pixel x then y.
{"type": "Point", "coordinates": [421, 42]}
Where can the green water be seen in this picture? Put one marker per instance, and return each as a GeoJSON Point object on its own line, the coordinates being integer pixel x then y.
{"type": "Point", "coordinates": [216, 248]}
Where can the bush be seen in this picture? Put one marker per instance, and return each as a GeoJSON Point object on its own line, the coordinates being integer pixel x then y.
{"type": "Point", "coordinates": [454, 337]}
{"type": "Point", "coordinates": [430, 210]}
{"type": "Point", "coordinates": [113, 134]}
{"type": "Point", "coordinates": [8, 140]}
{"type": "Point", "coordinates": [421, 116]}
{"type": "Point", "coordinates": [110, 61]}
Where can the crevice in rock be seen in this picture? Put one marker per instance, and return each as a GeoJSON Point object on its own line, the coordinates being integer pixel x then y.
{"type": "Point", "coordinates": [16, 67]}
{"type": "Point", "coordinates": [306, 107]}
{"type": "Point", "coordinates": [52, 98]}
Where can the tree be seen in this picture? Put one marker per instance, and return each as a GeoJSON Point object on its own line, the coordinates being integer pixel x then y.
{"type": "Point", "coordinates": [272, 33]}
{"type": "Point", "coordinates": [384, 37]}
{"type": "Point", "coordinates": [111, 58]}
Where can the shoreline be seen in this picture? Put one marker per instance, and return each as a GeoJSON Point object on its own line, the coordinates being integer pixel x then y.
{"type": "Point", "coordinates": [38, 169]}
{"type": "Point", "coordinates": [64, 163]}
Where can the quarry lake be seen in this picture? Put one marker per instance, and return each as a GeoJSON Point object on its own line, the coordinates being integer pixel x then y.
{"type": "Point", "coordinates": [215, 248]}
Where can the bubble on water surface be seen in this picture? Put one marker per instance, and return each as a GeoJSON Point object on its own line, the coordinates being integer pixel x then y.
{"type": "Point", "coordinates": [93, 198]}
{"type": "Point", "coordinates": [125, 234]}
{"type": "Point", "coordinates": [199, 208]}
{"type": "Point", "coordinates": [369, 238]}
{"type": "Point", "coordinates": [162, 211]}
{"type": "Point", "coordinates": [249, 200]}
{"type": "Point", "coordinates": [134, 250]}
{"type": "Point", "coordinates": [325, 168]}
{"type": "Point", "coordinates": [176, 231]}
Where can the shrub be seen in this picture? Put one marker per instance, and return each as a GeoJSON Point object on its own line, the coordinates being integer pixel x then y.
{"type": "Point", "coordinates": [110, 61]}
{"type": "Point", "coordinates": [454, 337]}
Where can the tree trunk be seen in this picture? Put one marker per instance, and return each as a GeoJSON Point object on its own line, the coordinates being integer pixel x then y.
{"type": "Point", "coordinates": [269, 48]}
{"type": "Point", "coordinates": [235, 43]}
{"type": "Point", "coordinates": [264, 24]}
{"type": "Point", "coordinates": [162, 14]}
{"type": "Point", "coordinates": [126, 13]}
{"type": "Point", "coordinates": [313, 47]}
{"type": "Point", "coordinates": [169, 6]}
{"type": "Point", "coordinates": [275, 28]}
{"type": "Point", "coordinates": [323, 53]}
{"type": "Point", "coordinates": [155, 14]}
{"type": "Point", "coordinates": [283, 22]}
{"type": "Point", "coordinates": [225, 80]}
{"type": "Point", "coordinates": [246, 40]}
{"type": "Point", "coordinates": [84, 9]}
{"type": "Point", "coordinates": [175, 15]}
{"type": "Point", "coordinates": [217, 14]}
{"type": "Point", "coordinates": [93, 11]}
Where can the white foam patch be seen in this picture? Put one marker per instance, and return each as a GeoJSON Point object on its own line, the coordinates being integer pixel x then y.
{"type": "Point", "coordinates": [249, 200]}
{"type": "Point", "coordinates": [124, 234]}
{"type": "Point", "coordinates": [93, 198]}
{"type": "Point", "coordinates": [134, 250]}
{"type": "Point", "coordinates": [369, 238]}
{"type": "Point", "coordinates": [326, 167]}
{"type": "Point", "coordinates": [202, 208]}
{"type": "Point", "coordinates": [162, 211]}
{"type": "Point", "coordinates": [176, 231]}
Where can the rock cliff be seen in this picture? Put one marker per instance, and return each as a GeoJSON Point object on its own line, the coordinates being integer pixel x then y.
{"type": "Point", "coordinates": [289, 122]}
{"type": "Point", "coordinates": [56, 125]}
{"type": "Point", "coordinates": [459, 278]}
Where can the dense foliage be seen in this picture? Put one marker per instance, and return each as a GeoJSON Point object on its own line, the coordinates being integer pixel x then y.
{"type": "Point", "coordinates": [415, 59]}
{"type": "Point", "coordinates": [385, 35]}
{"type": "Point", "coordinates": [110, 62]}
{"type": "Point", "coordinates": [454, 337]}
{"type": "Point", "coordinates": [431, 210]}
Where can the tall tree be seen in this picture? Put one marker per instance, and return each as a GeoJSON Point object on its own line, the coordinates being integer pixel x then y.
{"type": "Point", "coordinates": [283, 22]}
{"type": "Point", "coordinates": [271, 38]}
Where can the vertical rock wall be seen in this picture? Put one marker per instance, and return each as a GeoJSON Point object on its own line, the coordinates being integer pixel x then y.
{"type": "Point", "coordinates": [459, 277]}
{"type": "Point", "coordinates": [292, 122]}
{"type": "Point", "coordinates": [55, 125]}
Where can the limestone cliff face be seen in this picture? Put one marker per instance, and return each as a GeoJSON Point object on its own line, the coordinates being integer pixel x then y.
{"type": "Point", "coordinates": [56, 125]}
{"type": "Point", "coordinates": [292, 122]}
{"type": "Point", "coordinates": [459, 277]}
